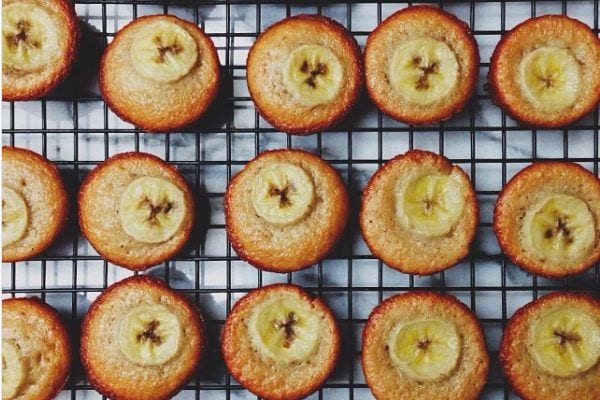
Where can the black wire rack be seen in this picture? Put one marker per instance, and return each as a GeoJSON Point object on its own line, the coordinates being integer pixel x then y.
{"type": "Point", "coordinates": [74, 128]}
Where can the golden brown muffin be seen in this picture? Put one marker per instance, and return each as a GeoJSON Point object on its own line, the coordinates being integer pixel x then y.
{"type": "Point", "coordinates": [39, 45]}
{"type": "Point", "coordinates": [160, 73]}
{"type": "Point", "coordinates": [280, 343]}
{"type": "Point", "coordinates": [285, 210]}
{"type": "Point", "coordinates": [424, 345]}
{"type": "Point", "coordinates": [36, 352]}
{"type": "Point", "coordinates": [419, 213]}
{"type": "Point", "coordinates": [550, 348]}
{"type": "Point", "coordinates": [141, 340]}
{"type": "Point", "coordinates": [34, 204]}
{"type": "Point", "coordinates": [136, 210]}
{"type": "Point", "coordinates": [421, 65]}
{"type": "Point", "coordinates": [304, 73]}
{"type": "Point", "coordinates": [546, 71]}
{"type": "Point", "coordinates": [547, 219]}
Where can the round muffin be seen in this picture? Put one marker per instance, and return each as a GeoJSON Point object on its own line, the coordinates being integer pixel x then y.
{"type": "Point", "coordinates": [551, 347]}
{"type": "Point", "coordinates": [304, 73]}
{"type": "Point", "coordinates": [546, 71]}
{"type": "Point", "coordinates": [34, 204]}
{"type": "Point", "coordinates": [39, 45]}
{"type": "Point", "coordinates": [547, 219]}
{"type": "Point", "coordinates": [285, 210]}
{"type": "Point", "coordinates": [419, 213]}
{"type": "Point", "coordinates": [36, 352]}
{"type": "Point", "coordinates": [136, 210]}
{"type": "Point", "coordinates": [421, 65]}
{"type": "Point", "coordinates": [424, 345]}
{"type": "Point", "coordinates": [280, 343]}
{"type": "Point", "coordinates": [160, 73]}
{"type": "Point", "coordinates": [141, 340]}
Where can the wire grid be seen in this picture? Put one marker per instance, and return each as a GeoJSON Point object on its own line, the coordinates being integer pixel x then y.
{"type": "Point", "coordinates": [74, 128]}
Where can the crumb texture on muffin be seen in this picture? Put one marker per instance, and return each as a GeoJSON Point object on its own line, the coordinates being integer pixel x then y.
{"type": "Point", "coordinates": [35, 203]}
{"type": "Point", "coordinates": [160, 73]}
{"type": "Point", "coordinates": [304, 73]}
{"type": "Point", "coordinates": [285, 210]}
{"type": "Point", "coordinates": [141, 340]}
{"type": "Point", "coordinates": [131, 222]}
{"type": "Point", "coordinates": [36, 351]}
{"type": "Point", "coordinates": [419, 213]}
{"type": "Point", "coordinates": [421, 65]}
{"type": "Point", "coordinates": [280, 343]}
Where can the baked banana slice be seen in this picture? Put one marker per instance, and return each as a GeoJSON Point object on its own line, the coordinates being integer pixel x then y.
{"type": "Point", "coordinates": [152, 209]}
{"type": "Point", "coordinates": [565, 342]}
{"type": "Point", "coordinates": [430, 204]}
{"type": "Point", "coordinates": [13, 370]}
{"type": "Point", "coordinates": [424, 70]}
{"type": "Point", "coordinates": [163, 51]}
{"type": "Point", "coordinates": [283, 194]}
{"type": "Point", "coordinates": [426, 350]}
{"type": "Point", "coordinates": [313, 74]}
{"type": "Point", "coordinates": [15, 216]}
{"type": "Point", "coordinates": [150, 334]}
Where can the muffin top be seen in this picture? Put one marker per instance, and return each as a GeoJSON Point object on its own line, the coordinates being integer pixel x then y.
{"type": "Point", "coordinates": [136, 210]}
{"type": "Point", "coordinates": [160, 73]}
{"type": "Point", "coordinates": [419, 213]}
{"type": "Point", "coordinates": [39, 44]}
{"type": "Point", "coordinates": [546, 71]}
{"type": "Point", "coordinates": [421, 65]}
{"type": "Point", "coordinates": [424, 345]}
{"type": "Point", "coordinates": [36, 352]}
{"type": "Point", "coordinates": [280, 342]}
{"type": "Point", "coordinates": [141, 340]}
{"type": "Point", "coordinates": [551, 347]}
{"type": "Point", "coordinates": [547, 219]}
{"type": "Point", "coordinates": [285, 210]}
{"type": "Point", "coordinates": [34, 203]}
{"type": "Point", "coordinates": [304, 73]}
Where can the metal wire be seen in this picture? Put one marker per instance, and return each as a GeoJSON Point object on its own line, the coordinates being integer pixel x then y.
{"type": "Point", "coordinates": [75, 260]}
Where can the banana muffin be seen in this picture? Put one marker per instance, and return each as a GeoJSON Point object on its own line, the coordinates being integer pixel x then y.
{"type": "Point", "coordinates": [280, 342]}
{"type": "Point", "coordinates": [34, 204]}
{"type": "Point", "coordinates": [550, 348]}
{"type": "Point", "coordinates": [304, 73]}
{"type": "Point", "coordinates": [39, 45]}
{"type": "Point", "coordinates": [160, 73]}
{"type": "Point", "coordinates": [546, 71]}
{"type": "Point", "coordinates": [136, 210]}
{"type": "Point", "coordinates": [141, 340]}
{"type": "Point", "coordinates": [36, 351]}
{"type": "Point", "coordinates": [424, 345]}
{"type": "Point", "coordinates": [285, 210]}
{"type": "Point", "coordinates": [419, 213]}
{"type": "Point", "coordinates": [547, 219]}
{"type": "Point", "coordinates": [421, 65]}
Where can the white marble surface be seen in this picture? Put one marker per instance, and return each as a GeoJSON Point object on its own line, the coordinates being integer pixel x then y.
{"type": "Point", "coordinates": [68, 141]}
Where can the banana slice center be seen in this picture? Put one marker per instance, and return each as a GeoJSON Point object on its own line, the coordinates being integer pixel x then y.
{"type": "Point", "coordinates": [163, 51]}
{"type": "Point", "coordinates": [559, 227]}
{"type": "Point", "coordinates": [152, 209]}
{"type": "Point", "coordinates": [426, 350]}
{"type": "Point", "coordinates": [285, 330]}
{"type": "Point", "coordinates": [430, 205]}
{"type": "Point", "coordinates": [313, 74]}
{"type": "Point", "coordinates": [550, 78]}
{"type": "Point", "coordinates": [29, 37]}
{"type": "Point", "coordinates": [283, 194]}
{"type": "Point", "coordinates": [423, 70]}
{"type": "Point", "coordinates": [13, 369]}
{"type": "Point", "coordinates": [150, 335]}
{"type": "Point", "coordinates": [15, 216]}
{"type": "Point", "coordinates": [565, 342]}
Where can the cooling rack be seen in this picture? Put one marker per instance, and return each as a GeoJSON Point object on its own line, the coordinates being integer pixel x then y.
{"type": "Point", "coordinates": [74, 128]}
